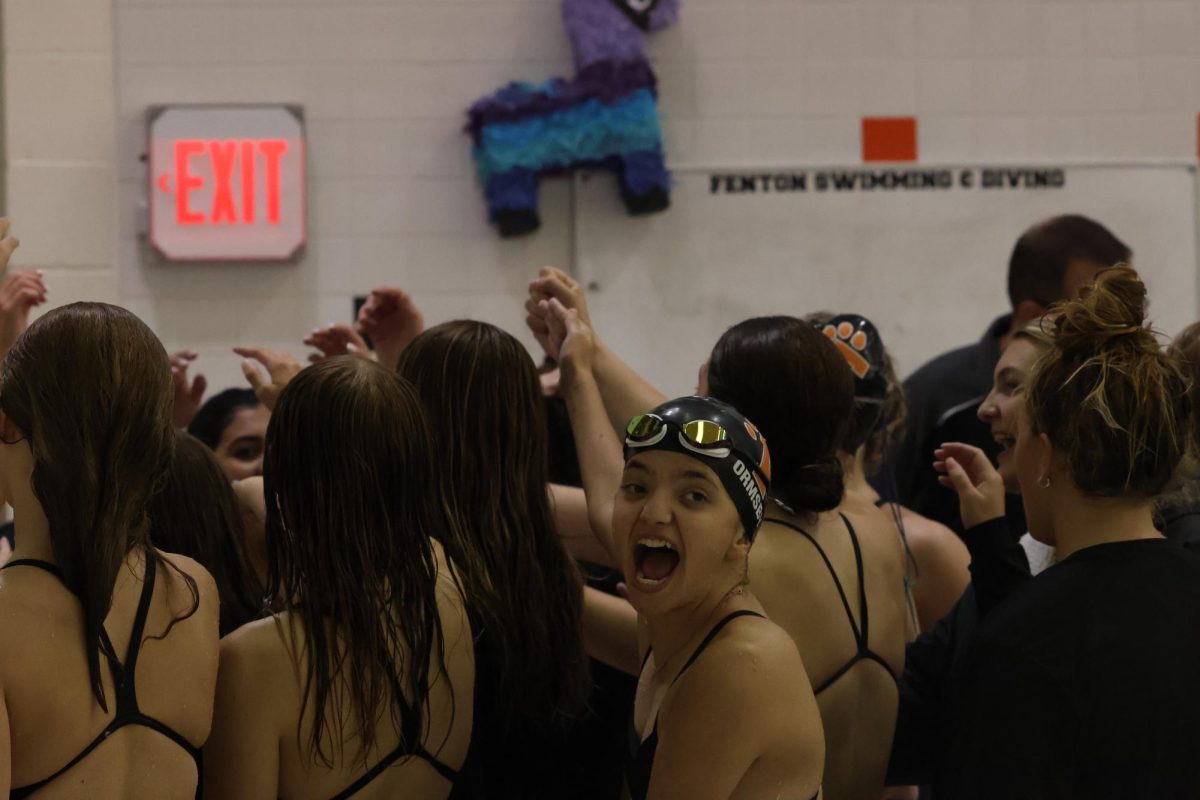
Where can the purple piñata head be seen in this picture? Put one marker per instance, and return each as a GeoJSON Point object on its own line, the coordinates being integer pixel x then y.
{"type": "Point", "coordinates": [610, 30]}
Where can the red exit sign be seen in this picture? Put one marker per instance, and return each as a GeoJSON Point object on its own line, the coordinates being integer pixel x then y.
{"type": "Point", "coordinates": [227, 183]}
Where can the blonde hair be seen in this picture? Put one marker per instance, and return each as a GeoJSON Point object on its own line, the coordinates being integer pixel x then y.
{"type": "Point", "coordinates": [1108, 396]}
{"type": "Point", "coordinates": [1040, 331]}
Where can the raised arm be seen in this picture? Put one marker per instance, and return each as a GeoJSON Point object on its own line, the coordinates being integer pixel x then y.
{"type": "Point", "coordinates": [392, 320]}
{"type": "Point", "coordinates": [19, 292]}
{"type": "Point", "coordinates": [574, 528]}
{"type": "Point", "coordinates": [188, 393]}
{"type": "Point", "coordinates": [280, 366]}
{"type": "Point", "coordinates": [624, 392]}
{"type": "Point", "coordinates": [336, 340]}
{"type": "Point", "coordinates": [599, 449]}
{"type": "Point", "coordinates": [998, 563]}
{"type": "Point", "coordinates": [610, 631]}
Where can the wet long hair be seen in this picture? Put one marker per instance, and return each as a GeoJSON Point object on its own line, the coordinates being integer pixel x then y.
{"type": "Point", "coordinates": [351, 506]}
{"type": "Point", "coordinates": [89, 387]}
{"type": "Point", "coordinates": [481, 391]}
{"type": "Point", "coordinates": [196, 514]}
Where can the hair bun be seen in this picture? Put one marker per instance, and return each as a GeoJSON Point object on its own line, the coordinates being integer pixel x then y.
{"type": "Point", "coordinates": [1111, 312]}
{"type": "Point", "coordinates": [813, 487]}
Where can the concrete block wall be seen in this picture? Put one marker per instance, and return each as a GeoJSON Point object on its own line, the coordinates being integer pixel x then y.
{"type": "Point", "coordinates": [60, 143]}
{"type": "Point", "coordinates": [385, 82]}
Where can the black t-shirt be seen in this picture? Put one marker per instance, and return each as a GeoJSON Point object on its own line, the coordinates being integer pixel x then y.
{"type": "Point", "coordinates": [931, 684]}
{"type": "Point", "coordinates": [1082, 683]}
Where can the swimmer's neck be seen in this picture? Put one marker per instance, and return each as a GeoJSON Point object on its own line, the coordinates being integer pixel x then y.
{"type": "Point", "coordinates": [31, 528]}
{"type": "Point", "coordinates": [854, 475]}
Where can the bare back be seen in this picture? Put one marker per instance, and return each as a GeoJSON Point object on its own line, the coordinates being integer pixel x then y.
{"type": "Point", "coordinates": [260, 739]}
{"type": "Point", "coordinates": [854, 680]}
{"type": "Point", "coordinates": [53, 715]}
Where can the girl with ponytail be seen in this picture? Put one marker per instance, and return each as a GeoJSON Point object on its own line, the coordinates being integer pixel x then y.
{"type": "Point", "coordinates": [828, 569]}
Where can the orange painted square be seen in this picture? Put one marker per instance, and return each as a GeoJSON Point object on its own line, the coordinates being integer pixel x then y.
{"type": "Point", "coordinates": [889, 138]}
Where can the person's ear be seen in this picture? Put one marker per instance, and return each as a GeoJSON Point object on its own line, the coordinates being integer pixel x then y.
{"type": "Point", "coordinates": [1027, 311]}
{"type": "Point", "coordinates": [9, 432]}
{"type": "Point", "coordinates": [1046, 458]}
{"type": "Point", "coordinates": [739, 549]}
{"type": "Point", "coordinates": [10, 435]}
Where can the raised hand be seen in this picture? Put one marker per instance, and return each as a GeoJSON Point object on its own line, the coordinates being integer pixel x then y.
{"type": "Point", "coordinates": [187, 395]}
{"type": "Point", "coordinates": [8, 244]}
{"type": "Point", "coordinates": [572, 342]}
{"type": "Point", "coordinates": [553, 283]}
{"type": "Point", "coordinates": [967, 470]}
{"type": "Point", "coordinates": [281, 368]}
{"type": "Point", "coordinates": [392, 320]}
{"type": "Point", "coordinates": [20, 292]}
{"type": "Point", "coordinates": [336, 340]}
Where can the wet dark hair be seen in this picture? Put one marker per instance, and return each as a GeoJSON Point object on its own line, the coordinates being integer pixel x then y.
{"type": "Point", "coordinates": [351, 507]}
{"type": "Point", "coordinates": [485, 405]}
{"type": "Point", "coordinates": [1108, 396]}
{"type": "Point", "coordinates": [1038, 265]}
{"type": "Point", "coordinates": [791, 381]}
{"type": "Point", "coordinates": [218, 412]}
{"type": "Point", "coordinates": [89, 387]}
{"type": "Point", "coordinates": [196, 514]}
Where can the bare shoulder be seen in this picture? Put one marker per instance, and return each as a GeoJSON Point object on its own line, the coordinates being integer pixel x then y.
{"type": "Point", "coordinates": [180, 593]}
{"type": "Point", "coordinates": [258, 653]}
{"type": "Point", "coordinates": [926, 535]}
{"type": "Point", "coordinates": [751, 684]}
{"type": "Point", "coordinates": [257, 682]}
{"type": "Point", "coordinates": [752, 657]}
{"type": "Point", "coordinates": [192, 569]}
{"type": "Point", "coordinates": [33, 601]}
{"type": "Point", "coordinates": [878, 536]}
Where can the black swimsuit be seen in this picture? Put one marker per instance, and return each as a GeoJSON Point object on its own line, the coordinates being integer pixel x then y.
{"type": "Point", "coordinates": [128, 712]}
{"type": "Point", "coordinates": [641, 753]}
{"type": "Point", "coordinates": [860, 633]}
{"type": "Point", "coordinates": [391, 758]}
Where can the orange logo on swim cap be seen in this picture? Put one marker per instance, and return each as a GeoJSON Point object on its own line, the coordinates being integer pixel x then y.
{"type": "Point", "coordinates": [764, 461]}
{"type": "Point", "coordinates": [850, 344]}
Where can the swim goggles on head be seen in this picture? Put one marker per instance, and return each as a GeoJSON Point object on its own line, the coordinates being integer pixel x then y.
{"type": "Point", "coordinates": [701, 436]}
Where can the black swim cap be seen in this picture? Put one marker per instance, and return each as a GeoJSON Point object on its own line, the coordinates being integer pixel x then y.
{"type": "Point", "coordinates": [718, 436]}
{"type": "Point", "coordinates": [857, 339]}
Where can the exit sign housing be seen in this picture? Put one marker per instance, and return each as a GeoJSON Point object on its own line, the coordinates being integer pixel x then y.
{"type": "Point", "coordinates": [227, 183]}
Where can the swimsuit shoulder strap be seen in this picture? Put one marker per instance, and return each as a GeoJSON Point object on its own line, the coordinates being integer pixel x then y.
{"type": "Point", "coordinates": [837, 582]}
{"type": "Point", "coordinates": [864, 622]}
{"type": "Point", "coordinates": [712, 634]}
{"type": "Point", "coordinates": [45, 566]}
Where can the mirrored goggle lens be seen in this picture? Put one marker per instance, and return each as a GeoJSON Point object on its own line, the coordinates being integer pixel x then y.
{"type": "Point", "coordinates": [705, 433]}
{"type": "Point", "coordinates": [642, 428]}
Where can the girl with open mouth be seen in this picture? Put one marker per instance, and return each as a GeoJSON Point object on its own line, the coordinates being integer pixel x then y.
{"type": "Point", "coordinates": [723, 705]}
